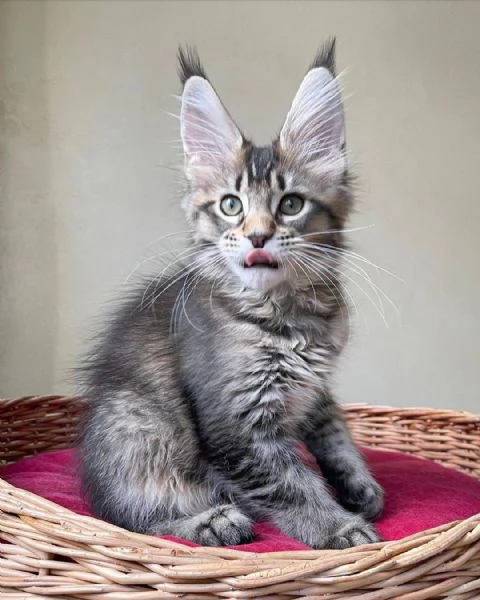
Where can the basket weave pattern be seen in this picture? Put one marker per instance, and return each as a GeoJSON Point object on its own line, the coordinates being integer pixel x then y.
{"type": "Point", "coordinates": [49, 552]}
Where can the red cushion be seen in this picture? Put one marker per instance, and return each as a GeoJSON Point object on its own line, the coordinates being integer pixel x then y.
{"type": "Point", "coordinates": [420, 494]}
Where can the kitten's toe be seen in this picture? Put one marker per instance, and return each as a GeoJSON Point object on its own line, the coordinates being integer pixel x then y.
{"type": "Point", "coordinates": [363, 496]}
{"type": "Point", "coordinates": [355, 531]}
{"type": "Point", "coordinates": [224, 526]}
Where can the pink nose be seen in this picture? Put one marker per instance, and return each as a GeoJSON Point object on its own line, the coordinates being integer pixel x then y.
{"type": "Point", "coordinates": [258, 240]}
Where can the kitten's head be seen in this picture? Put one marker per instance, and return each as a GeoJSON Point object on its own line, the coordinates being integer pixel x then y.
{"type": "Point", "coordinates": [267, 214]}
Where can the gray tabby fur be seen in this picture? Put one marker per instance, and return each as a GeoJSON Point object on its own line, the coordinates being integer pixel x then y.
{"type": "Point", "coordinates": [204, 382]}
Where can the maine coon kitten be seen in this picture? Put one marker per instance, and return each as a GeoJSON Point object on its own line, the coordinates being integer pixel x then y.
{"type": "Point", "coordinates": [206, 380]}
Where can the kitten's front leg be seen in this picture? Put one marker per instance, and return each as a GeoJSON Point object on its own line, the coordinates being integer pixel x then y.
{"type": "Point", "coordinates": [329, 440]}
{"type": "Point", "coordinates": [270, 478]}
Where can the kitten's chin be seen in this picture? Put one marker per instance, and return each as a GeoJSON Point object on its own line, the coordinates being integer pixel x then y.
{"type": "Point", "coordinates": [260, 278]}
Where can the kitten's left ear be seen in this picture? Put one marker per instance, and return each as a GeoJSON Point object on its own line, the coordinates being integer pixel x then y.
{"type": "Point", "coordinates": [314, 130]}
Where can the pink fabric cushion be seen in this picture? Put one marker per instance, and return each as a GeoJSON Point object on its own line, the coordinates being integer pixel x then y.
{"type": "Point", "coordinates": [420, 494]}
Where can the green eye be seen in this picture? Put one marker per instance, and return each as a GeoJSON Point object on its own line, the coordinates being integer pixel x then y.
{"type": "Point", "coordinates": [231, 205]}
{"type": "Point", "coordinates": [291, 204]}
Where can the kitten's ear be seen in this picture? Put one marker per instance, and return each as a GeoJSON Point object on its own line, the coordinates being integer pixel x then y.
{"type": "Point", "coordinates": [210, 137]}
{"type": "Point", "coordinates": [314, 130]}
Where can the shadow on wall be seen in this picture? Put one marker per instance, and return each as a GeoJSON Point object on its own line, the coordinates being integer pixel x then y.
{"type": "Point", "coordinates": [28, 270]}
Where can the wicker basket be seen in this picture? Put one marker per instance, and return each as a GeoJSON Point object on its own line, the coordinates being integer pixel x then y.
{"type": "Point", "coordinates": [49, 552]}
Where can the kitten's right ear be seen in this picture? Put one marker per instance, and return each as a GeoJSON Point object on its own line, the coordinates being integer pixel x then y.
{"type": "Point", "coordinates": [210, 137]}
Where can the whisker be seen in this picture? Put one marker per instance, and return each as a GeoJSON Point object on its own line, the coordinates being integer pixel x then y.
{"type": "Point", "coordinates": [377, 291]}
{"type": "Point", "coordinates": [307, 276]}
{"type": "Point", "coordinates": [169, 235]}
{"type": "Point", "coordinates": [329, 231]}
{"type": "Point", "coordinates": [153, 296]}
{"type": "Point", "coordinates": [284, 260]}
{"type": "Point", "coordinates": [195, 251]}
{"type": "Point", "coordinates": [378, 309]}
{"type": "Point", "coordinates": [193, 285]}
{"type": "Point", "coordinates": [346, 263]}
{"type": "Point", "coordinates": [337, 287]}
{"type": "Point", "coordinates": [211, 291]}
{"type": "Point", "coordinates": [200, 272]}
{"type": "Point", "coordinates": [179, 255]}
{"type": "Point", "coordinates": [364, 259]}
{"type": "Point", "coordinates": [177, 313]}
{"type": "Point", "coordinates": [349, 257]}
{"type": "Point", "coordinates": [301, 236]}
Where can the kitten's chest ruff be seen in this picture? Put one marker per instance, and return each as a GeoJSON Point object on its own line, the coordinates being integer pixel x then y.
{"type": "Point", "coordinates": [287, 378]}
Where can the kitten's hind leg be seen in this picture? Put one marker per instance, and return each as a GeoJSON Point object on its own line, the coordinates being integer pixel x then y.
{"type": "Point", "coordinates": [147, 474]}
{"type": "Point", "coordinates": [192, 508]}
{"type": "Point", "coordinates": [188, 508]}
{"type": "Point", "coordinates": [223, 525]}
{"type": "Point", "coordinates": [330, 441]}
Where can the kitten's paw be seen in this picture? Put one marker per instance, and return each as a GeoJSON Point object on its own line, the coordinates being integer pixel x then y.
{"type": "Point", "coordinates": [353, 531]}
{"type": "Point", "coordinates": [363, 496]}
{"type": "Point", "coordinates": [224, 525]}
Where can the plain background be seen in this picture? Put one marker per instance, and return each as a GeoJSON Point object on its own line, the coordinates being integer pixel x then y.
{"type": "Point", "coordinates": [88, 182]}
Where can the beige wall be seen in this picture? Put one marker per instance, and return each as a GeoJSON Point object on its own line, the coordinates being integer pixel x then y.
{"type": "Point", "coordinates": [86, 146]}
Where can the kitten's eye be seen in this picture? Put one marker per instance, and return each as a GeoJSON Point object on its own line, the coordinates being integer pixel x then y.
{"type": "Point", "coordinates": [231, 205]}
{"type": "Point", "coordinates": [291, 204]}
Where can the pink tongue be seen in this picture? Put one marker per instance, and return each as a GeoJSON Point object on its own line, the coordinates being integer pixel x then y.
{"type": "Point", "coordinates": [258, 257]}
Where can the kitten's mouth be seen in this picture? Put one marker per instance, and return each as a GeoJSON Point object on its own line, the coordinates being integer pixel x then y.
{"type": "Point", "coordinates": [260, 258]}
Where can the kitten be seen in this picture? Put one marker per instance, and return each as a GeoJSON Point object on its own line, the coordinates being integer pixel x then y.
{"type": "Point", "coordinates": [206, 380]}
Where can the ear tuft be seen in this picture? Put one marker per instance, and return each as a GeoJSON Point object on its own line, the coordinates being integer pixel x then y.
{"type": "Point", "coordinates": [189, 64]}
{"type": "Point", "coordinates": [325, 56]}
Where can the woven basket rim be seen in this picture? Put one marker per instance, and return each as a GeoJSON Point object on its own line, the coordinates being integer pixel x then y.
{"type": "Point", "coordinates": [33, 523]}
{"type": "Point", "coordinates": [376, 409]}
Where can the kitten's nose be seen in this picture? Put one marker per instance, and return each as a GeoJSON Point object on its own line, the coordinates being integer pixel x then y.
{"type": "Point", "coordinates": [258, 239]}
